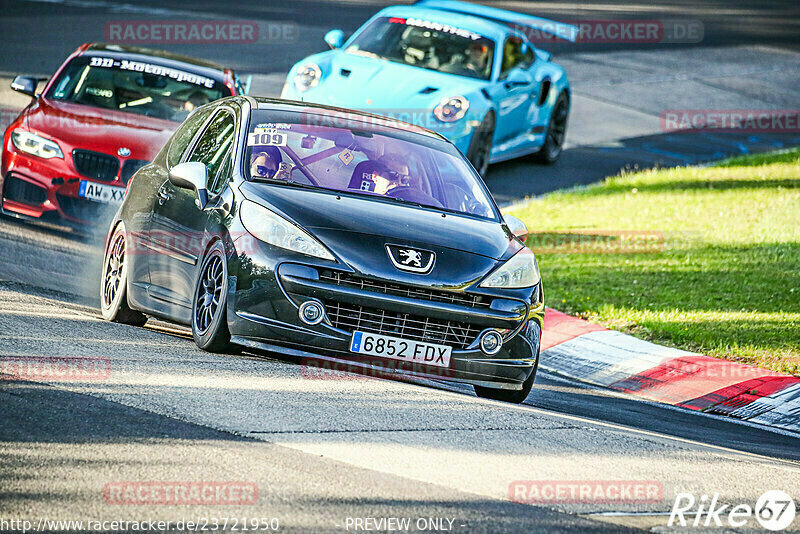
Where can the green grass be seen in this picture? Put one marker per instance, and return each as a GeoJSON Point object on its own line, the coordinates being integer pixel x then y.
{"type": "Point", "coordinates": [725, 279]}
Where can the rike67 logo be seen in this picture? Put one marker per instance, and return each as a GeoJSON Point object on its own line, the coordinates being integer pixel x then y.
{"type": "Point", "coordinates": [774, 510]}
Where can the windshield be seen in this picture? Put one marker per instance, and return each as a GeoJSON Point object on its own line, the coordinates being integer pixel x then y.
{"type": "Point", "coordinates": [135, 87]}
{"type": "Point", "coordinates": [426, 44]}
{"type": "Point", "coordinates": [349, 155]}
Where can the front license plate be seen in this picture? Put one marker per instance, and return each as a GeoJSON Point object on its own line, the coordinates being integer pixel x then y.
{"type": "Point", "coordinates": [107, 194]}
{"type": "Point", "coordinates": [400, 349]}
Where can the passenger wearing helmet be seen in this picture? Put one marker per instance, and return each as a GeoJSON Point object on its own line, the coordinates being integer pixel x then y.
{"type": "Point", "coordinates": [268, 163]}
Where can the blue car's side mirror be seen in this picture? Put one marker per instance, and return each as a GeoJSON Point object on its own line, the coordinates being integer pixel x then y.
{"type": "Point", "coordinates": [335, 38]}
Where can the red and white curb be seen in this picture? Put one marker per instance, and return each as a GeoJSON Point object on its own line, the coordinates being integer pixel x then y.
{"type": "Point", "coordinates": [578, 349]}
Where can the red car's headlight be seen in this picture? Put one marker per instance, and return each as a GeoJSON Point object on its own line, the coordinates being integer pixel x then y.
{"type": "Point", "coordinates": [31, 143]}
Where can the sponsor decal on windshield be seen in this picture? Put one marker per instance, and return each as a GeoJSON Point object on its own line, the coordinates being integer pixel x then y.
{"type": "Point", "coordinates": [436, 26]}
{"type": "Point", "coordinates": [264, 126]}
{"type": "Point", "coordinates": [150, 68]}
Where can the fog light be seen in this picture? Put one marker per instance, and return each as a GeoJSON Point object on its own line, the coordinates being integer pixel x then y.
{"type": "Point", "coordinates": [312, 312]}
{"type": "Point", "coordinates": [491, 342]}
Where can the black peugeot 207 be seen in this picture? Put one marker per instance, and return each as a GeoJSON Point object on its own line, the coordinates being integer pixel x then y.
{"type": "Point", "coordinates": [326, 233]}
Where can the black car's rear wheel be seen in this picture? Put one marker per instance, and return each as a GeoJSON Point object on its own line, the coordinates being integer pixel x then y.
{"type": "Point", "coordinates": [515, 396]}
{"type": "Point", "coordinates": [209, 306]}
{"type": "Point", "coordinates": [480, 147]}
{"type": "Point", "coordinates": [114, 282]}
{"type": "Point", "coordinates": [556, 132]}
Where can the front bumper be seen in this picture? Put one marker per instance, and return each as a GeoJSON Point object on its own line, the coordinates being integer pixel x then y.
{"type": "Point", "coordinates": [48, 190]}
{"type": "Point", "coordinates": [263, 305]}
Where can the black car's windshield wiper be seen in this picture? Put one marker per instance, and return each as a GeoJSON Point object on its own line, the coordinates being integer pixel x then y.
{"type": "Point", "coordinates": [277, 181]}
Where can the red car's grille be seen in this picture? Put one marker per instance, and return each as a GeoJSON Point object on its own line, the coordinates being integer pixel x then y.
{"type": "Point", "coordinates": [95, 165]}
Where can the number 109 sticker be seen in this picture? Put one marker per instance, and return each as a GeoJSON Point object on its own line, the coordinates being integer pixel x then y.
{"type": "Point", "coordinates": [266, 138]}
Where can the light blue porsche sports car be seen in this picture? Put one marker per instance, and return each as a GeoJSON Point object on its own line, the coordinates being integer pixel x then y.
{"type": "Point", "coordinates": [466, 71]}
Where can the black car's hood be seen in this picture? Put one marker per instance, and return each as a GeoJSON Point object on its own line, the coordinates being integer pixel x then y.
{"type": "Point", "coordinates": [357, 229]}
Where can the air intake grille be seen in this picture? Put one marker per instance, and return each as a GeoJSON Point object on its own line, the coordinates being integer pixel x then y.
{"type": "Point", "coordinates": [95, 165]}
{"type": "Point", "coordinates": [19, 190]}
{"type": "Point", "coordinates": [350, 317]}
{"type": "Point", "coordinates": [450, 297]}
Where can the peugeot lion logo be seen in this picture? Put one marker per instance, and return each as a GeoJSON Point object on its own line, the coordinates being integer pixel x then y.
{"type": "Point", "coordinates": [124, 152]}
{"type": "Point", "coordinates": [411, 259]}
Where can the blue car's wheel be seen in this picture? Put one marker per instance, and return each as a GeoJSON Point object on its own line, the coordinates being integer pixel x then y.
{"type": "Point", "coordinates": [480, 147]}
{"type": "Point", "coordinates": [556, 132]}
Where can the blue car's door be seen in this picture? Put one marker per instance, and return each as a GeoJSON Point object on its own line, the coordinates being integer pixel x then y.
{"type": "Point", "coordinates": [515, 92]}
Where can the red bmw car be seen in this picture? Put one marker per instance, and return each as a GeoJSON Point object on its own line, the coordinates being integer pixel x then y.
{"type": "Point", "coordinates": [107, 111]}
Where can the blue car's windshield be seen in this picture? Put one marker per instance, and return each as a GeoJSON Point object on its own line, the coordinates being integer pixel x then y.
{"type": "Point", "coordinates": [354, 155]}
{"type": "Point", "coordinates": [427, 44]}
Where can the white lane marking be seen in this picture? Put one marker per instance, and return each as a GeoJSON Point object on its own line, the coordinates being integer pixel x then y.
{"type": "Point", "coordinates": [59, 314]}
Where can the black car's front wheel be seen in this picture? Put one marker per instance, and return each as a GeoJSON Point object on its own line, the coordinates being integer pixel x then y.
{"type": "Point", "coordinates": [209, 306]}
{"type": "Point", "coordinates": [556, 132]}
{"type": "Point", "coordinates": [114, 282]}
{"type": "Point", "coordinates": [516, 396]}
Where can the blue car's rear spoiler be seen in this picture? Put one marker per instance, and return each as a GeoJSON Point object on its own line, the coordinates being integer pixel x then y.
{"type": "Point", "coordinates": [559, 29]}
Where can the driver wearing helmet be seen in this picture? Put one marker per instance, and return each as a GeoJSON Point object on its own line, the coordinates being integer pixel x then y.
{"type": "Point", "coordinates": [268, 163]}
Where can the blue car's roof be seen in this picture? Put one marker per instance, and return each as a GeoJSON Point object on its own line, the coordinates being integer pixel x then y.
{"type": "Point", "coordinates": [487, 28]}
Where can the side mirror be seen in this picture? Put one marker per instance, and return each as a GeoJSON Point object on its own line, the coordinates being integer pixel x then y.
{"type": "Point", "coordinates": [516, 226]}
{"type": "Point", "coordinates": [335, 38]}
{"type": "Point", "coordinates": [518, 77]}
{"type": "Point", "coordinates": [25, 85]}
{"type": "Point", "coordinates": [191, 175]}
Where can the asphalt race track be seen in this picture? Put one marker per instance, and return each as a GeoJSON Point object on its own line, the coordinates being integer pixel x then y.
{"type": "Point", "coordinates": [324, 449]}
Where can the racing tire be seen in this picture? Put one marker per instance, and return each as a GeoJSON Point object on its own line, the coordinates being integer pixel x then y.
{"type": "Point", "coordinates": [480, 146]}
{"type": "Point", "coordinates": [209, 303]}
{"type": "Point", "coordinates": [114, 282]}
{"type": "Point", "coordinates": [556, 132]}
{"type": "Point", "coordinates": [515, 396]}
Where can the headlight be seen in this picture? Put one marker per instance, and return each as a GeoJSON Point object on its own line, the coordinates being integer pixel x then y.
{"type": "Point", "coordinates": [451, 109]}
{"type": "Point", "coordinates": [271, 228]}
{"type": "Point", "coordinates": [36, 145]}
{"type": "Point", "coordinates": [307, 77]}
{"type": "Point", "coordinates": [519, 271]}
